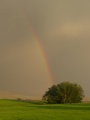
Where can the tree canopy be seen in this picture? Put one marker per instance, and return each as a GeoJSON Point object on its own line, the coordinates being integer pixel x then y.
{"type": "Point", "coordinates": [64, 92]}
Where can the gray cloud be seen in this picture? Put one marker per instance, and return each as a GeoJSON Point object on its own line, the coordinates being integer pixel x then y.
{"type": "Point", "coordinates": [63, 29]}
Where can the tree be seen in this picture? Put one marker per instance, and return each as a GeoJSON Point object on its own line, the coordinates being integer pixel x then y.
{"type": "Point", "coordinates": [64, 92]}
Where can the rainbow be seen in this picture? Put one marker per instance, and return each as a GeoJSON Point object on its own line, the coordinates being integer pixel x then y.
{"type": "Point", "coordinates": [37, 43]}
{"type": "Point", "coordinates": [44, 58]}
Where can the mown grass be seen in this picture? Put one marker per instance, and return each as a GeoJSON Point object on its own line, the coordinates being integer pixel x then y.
{"type": "Point", "coordinates": [34, 110]}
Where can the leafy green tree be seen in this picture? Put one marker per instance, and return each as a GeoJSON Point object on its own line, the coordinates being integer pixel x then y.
{"type": "Point", "coordinates": [64, 92]}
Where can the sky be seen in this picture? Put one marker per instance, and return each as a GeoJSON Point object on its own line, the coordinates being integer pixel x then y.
{"type": "Point", "coordinates": [62, 28]}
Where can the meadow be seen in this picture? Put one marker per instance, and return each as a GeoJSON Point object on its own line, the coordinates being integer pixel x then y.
{"type": "Point", "coordinates": [21, 110]}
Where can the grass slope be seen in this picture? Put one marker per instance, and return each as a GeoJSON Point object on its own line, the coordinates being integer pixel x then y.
{"type": "Point", "coordinates": [16, 110]}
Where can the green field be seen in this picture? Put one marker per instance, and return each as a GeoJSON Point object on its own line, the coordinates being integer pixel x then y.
{"type": "Point", "coordinates": [16, 110]}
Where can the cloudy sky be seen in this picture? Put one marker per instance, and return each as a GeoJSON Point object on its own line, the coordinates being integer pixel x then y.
{"type": "Point", "coordinates": [62, 27]}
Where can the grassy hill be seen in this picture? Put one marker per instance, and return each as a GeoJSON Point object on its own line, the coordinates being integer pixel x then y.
{"type": "Point", "coordinates": [37, 110]}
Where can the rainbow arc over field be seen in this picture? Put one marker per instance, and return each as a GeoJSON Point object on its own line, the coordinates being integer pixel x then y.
{"type": "Point", "coordinates": [44, 57]}
{"type": "Point", "coordinates": [37, 43]}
